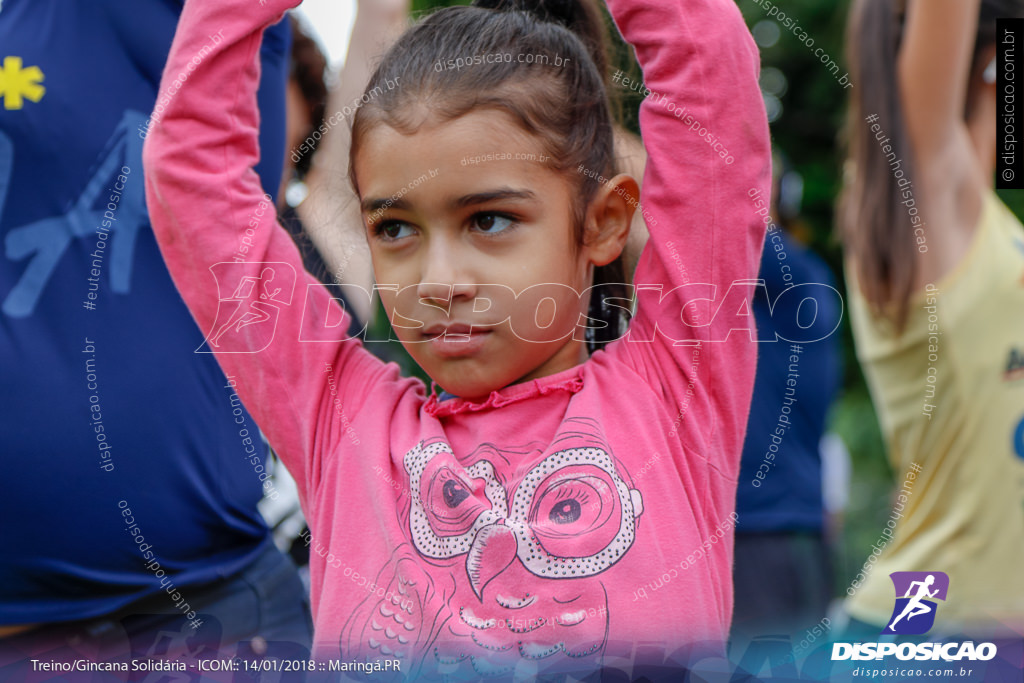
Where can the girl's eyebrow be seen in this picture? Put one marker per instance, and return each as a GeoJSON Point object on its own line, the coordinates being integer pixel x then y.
{"type": "Point", "coordinates": [371, 205]}
{"type": "Point", "coordinates": [484, 197]}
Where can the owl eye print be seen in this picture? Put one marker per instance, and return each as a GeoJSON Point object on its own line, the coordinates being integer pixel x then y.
{"type": "Point", "coordinates": [580, 517]}
{"type": "Point", "coordinates": [451, 508]}
{"type": "Point", "coordinates": [572, 515]}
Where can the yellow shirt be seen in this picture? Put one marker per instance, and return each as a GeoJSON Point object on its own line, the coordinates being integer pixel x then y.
{"type": "Point", "coordinates": [950, 397]}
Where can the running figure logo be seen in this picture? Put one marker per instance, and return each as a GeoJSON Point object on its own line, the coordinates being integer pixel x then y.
{"type": "Point", "coordinates": [914, 612]}
{"type": "Point", "coordinates": [247, 318]}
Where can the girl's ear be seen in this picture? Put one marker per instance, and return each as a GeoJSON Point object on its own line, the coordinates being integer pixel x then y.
{"type": "Point", "coordinates": [608, 218]}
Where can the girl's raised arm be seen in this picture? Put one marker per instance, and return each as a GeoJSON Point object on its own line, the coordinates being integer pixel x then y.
{"type": "Point", "coordinates": [933, 73]}
{"type": "Point", "coordinates": [933, 68]}
{"type": "Point", "coordinates": [277, 333]}
{"type": "Point", "coordinates": [704, 126]}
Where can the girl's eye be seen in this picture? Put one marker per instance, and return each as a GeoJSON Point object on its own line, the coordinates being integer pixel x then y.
{"type": "Point", "coordinates": [393, 230]}
{"type": "Point", "coordinates": [492, 223]}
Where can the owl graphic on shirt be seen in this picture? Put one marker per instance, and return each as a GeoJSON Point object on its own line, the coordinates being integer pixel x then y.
{"type": "Point", "coordinates": [504, 566]}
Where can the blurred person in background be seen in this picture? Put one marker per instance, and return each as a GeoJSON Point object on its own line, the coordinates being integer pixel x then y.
{"type": "Point", "coordinates": [317, 211]}
{"type": "Point", "coordinates": [305, 104]}
{"type": "Point", "coordinates": [133, 527]}
{"type": "Point", "coordinates": [935, 265]}
{"type": "Point", "coordinates": [324, 202]}
{"type": "Point", "coordinates": [782, 569]}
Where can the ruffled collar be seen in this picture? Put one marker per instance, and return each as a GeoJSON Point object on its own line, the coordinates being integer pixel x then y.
{"type": "Point", "coordinates": [570, 381]}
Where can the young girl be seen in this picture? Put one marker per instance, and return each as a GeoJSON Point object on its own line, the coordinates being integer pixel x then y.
{"type": "Point", "coordinates": [540, 517]}
{"type": "Point", "coordinates": [937, 307]}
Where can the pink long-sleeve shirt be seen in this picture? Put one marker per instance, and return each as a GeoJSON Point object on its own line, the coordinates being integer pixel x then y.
{"type": "Point", "coordinates": [582, 518]}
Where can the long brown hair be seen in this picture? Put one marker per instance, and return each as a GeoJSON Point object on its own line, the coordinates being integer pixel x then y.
{"type": "Point", "coordinates": [564, 105]}
{"type": "Point", "coordinates": [876, 227]}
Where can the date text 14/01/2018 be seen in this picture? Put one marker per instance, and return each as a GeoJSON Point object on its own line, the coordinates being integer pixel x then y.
{"type": "Point", "coordinates": [286, 665]}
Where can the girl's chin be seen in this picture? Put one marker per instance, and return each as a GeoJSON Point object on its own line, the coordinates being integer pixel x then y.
{"type": "Point", "coordinates": [474, 373]}
{"type": "Point", "coordinates": [470, 385]}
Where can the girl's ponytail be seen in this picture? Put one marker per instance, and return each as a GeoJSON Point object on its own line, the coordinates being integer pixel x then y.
{"type": "Point", "coordinates": [875, 229]}
{"type": "Point", "coordinates": [582, 17]}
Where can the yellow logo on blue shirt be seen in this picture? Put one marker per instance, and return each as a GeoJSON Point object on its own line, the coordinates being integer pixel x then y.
{"type": "Point", "coordinates": [18, 84]}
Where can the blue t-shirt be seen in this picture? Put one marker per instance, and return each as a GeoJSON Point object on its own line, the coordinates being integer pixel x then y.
{"type": "Point", "coordinates": [788, 497]}
{"type": "Point", "coordinates": [106, 407]}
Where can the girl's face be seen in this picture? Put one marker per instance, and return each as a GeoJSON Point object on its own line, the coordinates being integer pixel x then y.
{"type": "Point", "coordinates": [456, 235]}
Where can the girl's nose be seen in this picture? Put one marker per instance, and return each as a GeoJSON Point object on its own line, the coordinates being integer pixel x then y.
{"type": "Point", "coordinates": [444, 277]}
{"type": "Point", "coordinates": [444, 294]}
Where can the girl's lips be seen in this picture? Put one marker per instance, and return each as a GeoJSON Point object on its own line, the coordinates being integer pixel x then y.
{"type": "Point", "coordinates": [458, 345]}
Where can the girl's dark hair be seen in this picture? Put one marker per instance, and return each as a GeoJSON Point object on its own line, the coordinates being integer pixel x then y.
{"type": "Point", "coordinates": [874, 224]}
{"type": "Point", "coordinates": [582, 17]}
{"type": "Point", "coordinates": [563, 103]}
{"type": "Point", "coordinates": [308, 66]}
